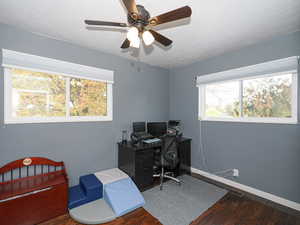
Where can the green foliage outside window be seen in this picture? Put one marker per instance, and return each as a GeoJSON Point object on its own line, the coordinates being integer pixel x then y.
{"type": "Point", "coordinates": [88, 98]}
{"type": "Point", "coordinates": [262, 97]}
{"type": "Point", "coordinates": [268, 97]}
{"type": "Point", "coordinates": [37, 94]}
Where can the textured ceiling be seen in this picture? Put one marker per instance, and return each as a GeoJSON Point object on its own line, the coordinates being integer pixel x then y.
{"type": "Point", "coordinates": [216, 26]}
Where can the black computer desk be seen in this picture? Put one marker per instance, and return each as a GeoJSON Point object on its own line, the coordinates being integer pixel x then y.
{"type": "Point", "coordinates": [137, 161]}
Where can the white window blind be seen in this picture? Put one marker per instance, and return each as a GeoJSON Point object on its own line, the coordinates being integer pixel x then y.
{"type": "Point", "coordinates": [277, 66]}
{"type": "Point", "coordinates": [13, 59]}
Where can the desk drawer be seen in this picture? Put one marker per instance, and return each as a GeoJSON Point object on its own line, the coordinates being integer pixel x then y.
{"type": "Point", "coordinates": [144, 159]}
{"type": "Point", "coordinates": [185, 157]}
{"type": "Point", "coordinates": [144, 168]}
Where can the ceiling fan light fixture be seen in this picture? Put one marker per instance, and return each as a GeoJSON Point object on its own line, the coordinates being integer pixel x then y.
{"type": "Point", "coordinates": [135, 43]}
{"type": "Point", "coordinates": [148, 38]}
{"type": "Point", "coordinates": [140, 24]}
{"type": "Point", "coordinates": [132, 34]}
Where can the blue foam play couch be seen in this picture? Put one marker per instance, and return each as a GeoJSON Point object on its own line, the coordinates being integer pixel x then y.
{"type": "Point", "coordinates": [114, 186]}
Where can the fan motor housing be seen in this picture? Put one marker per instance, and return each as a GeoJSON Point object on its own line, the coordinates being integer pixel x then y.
{"type": "Point", "coordinates": [142, 18]}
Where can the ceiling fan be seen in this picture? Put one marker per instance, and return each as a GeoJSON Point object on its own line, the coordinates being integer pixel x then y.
{"type": "Point", "coordinates": [140, 24]}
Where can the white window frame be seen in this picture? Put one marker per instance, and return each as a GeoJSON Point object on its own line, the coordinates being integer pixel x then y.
{"type": "Point", "coordinates": [292, 120]}
{"type": "Point", "coordinates": [9, 119]}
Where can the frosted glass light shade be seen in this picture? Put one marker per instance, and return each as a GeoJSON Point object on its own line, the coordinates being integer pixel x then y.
{"type": "Point", "coordinates": [148, 38]}
{"type": "Point", "coordinates": [133, 33]}
{"type": "Point", "coordinates": [135, 43]}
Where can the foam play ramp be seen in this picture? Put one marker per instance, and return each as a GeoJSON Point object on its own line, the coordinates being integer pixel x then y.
{"type": "Point", "coordinates": [119, 191]}
{"type": "Point", "coordinates": [95, 212]}
{"type": "Point", "coordinates": [123, 196]}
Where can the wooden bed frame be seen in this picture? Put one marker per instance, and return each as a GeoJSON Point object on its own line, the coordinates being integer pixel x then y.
{"type": "Point", "coordinates": [32, 190]}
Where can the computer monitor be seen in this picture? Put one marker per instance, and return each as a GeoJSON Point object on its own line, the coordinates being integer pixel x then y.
{"type": "Point", "coordinates": [139, 127]}
{"type": "Point", "coordinates": [157, 129]}
{"type": "Point", "coordinates": [174, 123]}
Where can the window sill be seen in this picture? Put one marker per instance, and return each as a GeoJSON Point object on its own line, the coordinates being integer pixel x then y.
{"type": "Point", "coordinates": [253, 120]}
{"type": "Point", "coordinates": [57, 120]}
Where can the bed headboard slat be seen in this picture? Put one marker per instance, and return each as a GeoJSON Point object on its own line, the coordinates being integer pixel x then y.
{"type": "Point", "coordinates": [31, 167]}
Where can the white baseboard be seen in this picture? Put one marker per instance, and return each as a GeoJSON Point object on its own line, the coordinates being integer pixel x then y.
{"type": "Point", "coordinates": [259, 193]}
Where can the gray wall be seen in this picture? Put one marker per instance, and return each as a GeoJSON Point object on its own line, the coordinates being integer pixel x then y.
{"type": "Point", "coordinates": [267, 155]}
{"type": "Point", "coordinates": [140, 93]}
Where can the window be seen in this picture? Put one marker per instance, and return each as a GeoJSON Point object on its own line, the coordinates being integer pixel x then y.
{"type": "Point", "coordinates": [268, 98]}
{"type": "Point", "coordinates": [88, 98]}
{"type": "Point", "coordinates": [33, 96]}
{"type": "Point", "coordinates": [248, 96]}
{"type": "Point", "coordinates": [43, 97]}
{"type": "Point", "coordinates": [222, 100]}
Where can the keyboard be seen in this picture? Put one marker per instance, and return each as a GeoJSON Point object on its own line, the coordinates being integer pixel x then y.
{"type": "Point", "coordinates": [152, 140]}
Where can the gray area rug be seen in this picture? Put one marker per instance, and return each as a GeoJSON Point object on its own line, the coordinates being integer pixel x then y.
{"type": "Point", "coordinates": [180, 205]}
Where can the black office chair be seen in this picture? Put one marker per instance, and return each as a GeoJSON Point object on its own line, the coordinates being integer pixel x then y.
{"type": "Point", "coordinates": [169, 158]}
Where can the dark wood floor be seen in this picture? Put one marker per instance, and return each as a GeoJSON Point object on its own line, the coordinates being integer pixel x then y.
{"type": "Point", "coordinates": [238, 210]}
{"type": "Point", "coordinates": [230, 210]}
{"type": "Point", "coordinates": [137, 217]}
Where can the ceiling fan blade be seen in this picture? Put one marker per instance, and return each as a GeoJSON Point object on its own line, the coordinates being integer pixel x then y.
{"type": "Point", "coordinates": [160, 38]}
{"type": "Point", "coordinates": [104, 23]}
{"type": "Point", "coordinates": [131, 8]}
{"type": "Point", "coordinates": [176, 14]}
{"type": "Point", "coordinates": [125, 44]}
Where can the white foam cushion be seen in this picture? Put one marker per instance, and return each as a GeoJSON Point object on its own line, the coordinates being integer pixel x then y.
{"type": "Point", "coordinates": [96, 212]}
{"type": "Point", "coordinates": [111, 175]}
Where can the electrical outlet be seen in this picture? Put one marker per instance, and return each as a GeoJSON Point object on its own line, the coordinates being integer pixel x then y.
{"type": "Point", "coordinates": [236, 172]}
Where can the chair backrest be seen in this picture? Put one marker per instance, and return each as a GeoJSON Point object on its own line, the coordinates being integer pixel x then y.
{"type": "Point", "coordinates": [170, 150]}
